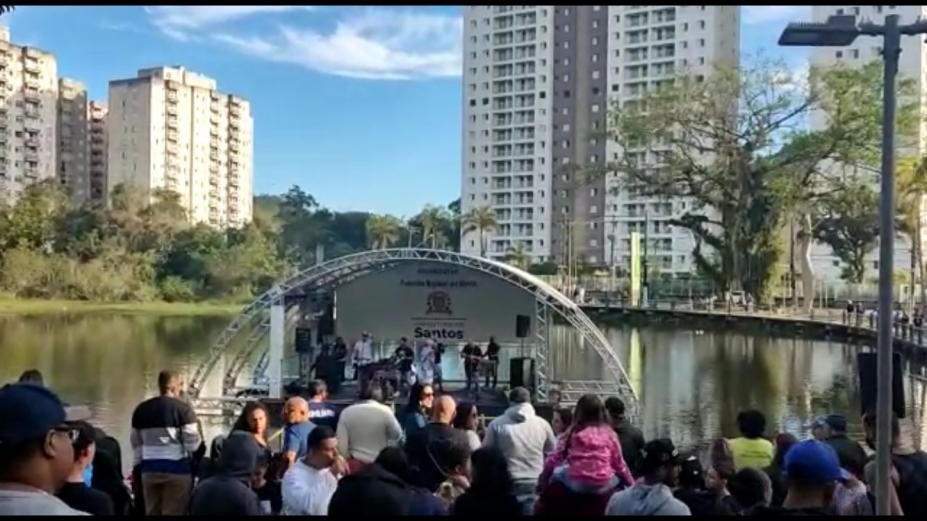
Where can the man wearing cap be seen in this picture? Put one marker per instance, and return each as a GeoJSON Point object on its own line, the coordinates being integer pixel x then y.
{"type": "Point", "coordinates": [812, 471]}
{"type": "Point", "coordinates": [652, 494]}
{"type": "Point", "coordinates": [36, 454]}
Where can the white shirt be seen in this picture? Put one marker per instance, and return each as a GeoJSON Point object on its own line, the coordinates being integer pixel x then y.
{"type": "Point", "coordinates": [34, 502]}
{"type": "Point", "coordinates": [363, 352]}
{"type": "Point", "coordinates": [306, 490]}
{"type": "Point", "coordinates": [365, 428]}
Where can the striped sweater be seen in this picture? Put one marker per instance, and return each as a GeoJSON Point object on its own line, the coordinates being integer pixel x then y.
{"type": "Point", "coordinates": [164, 435]}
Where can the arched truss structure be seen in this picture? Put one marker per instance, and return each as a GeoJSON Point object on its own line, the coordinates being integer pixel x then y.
{"type": "Point", "coordinates": [248, 332]}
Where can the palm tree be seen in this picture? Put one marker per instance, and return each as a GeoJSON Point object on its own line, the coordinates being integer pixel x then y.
{"type": "Point", "coordinates": [518, 256]}
{"type": "Point", "coordinates": [482, 219]}
{"type": "Point", "coordinates": [912, 187]}
{"type": "Point", "coordinates": [431, 218]}
{"type": "Point", "coordinates": [382, 231]}
{"type": "Point", "coordinates": [6, 8]}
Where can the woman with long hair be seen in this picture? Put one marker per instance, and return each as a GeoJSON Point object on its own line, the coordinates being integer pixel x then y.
{"type": "Point", "coordinates": [254, 419]}
{"type": "Point", "coordinates": [414, 416]}
{"type": "Point", "coordinates": [586, 467]}
{"type": "Point", "coordinates": [467, 420]}
{"type": "Point", "coordinates": [492, 489]}
{"type": "Point", "coordinates": [562, 420]}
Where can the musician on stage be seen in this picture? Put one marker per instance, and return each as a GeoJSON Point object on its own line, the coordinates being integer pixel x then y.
{"type": "Point", "coordinates": [472, 355]}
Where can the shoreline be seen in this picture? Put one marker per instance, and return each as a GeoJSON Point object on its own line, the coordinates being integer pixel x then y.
{"type": "Point", "coordinates": [31, 307]}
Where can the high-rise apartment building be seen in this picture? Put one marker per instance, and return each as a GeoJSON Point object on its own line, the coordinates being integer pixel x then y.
{"type": "Point", "coordinates": [72, 149]}
{"type": "Point", "coordinates": [912, 66]}
{"type": "Point", "coordinates": [96, 139]}
{"type": "Point", "coordinates": [28, 116]}
{"type": "Point", "coordinates": [170, 128]}
{"type": "Point", "coordinates": [538, 84]}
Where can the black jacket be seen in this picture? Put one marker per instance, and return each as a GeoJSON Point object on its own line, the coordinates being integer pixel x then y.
{"type": "Point", "coordinates": [495, 505]}
{"type": "Point", "coordinates": [632, 446]}
{"type": "Point", "coordinates": [429, 449]}
{"type": "Point", "coordinates": [370, 492]}
{"type": "Point", "coordinates": [847, 451]}
{"type": "Point", "coordinates": [229, 493]}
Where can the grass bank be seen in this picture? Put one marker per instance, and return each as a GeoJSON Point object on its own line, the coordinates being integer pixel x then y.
{"type": "Point", "coordinates": [13, 306]}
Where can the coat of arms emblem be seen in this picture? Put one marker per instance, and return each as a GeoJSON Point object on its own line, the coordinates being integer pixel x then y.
{"type": "Point", "coordinates": [438, 302]}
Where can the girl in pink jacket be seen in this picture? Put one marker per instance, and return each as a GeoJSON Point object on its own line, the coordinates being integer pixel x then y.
{"type": "Point", "coordinates": [587, 458]}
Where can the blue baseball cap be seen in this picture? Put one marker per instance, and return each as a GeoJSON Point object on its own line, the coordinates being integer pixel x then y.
{"type": "Point", "coordinates": [813, 462]}
{"type": "Point", "coordinates": [28, 411]}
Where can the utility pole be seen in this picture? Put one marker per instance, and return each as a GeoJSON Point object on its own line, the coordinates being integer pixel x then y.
{"type": "Point", "coordinates": [793, 296]}
{"type": "Point", "coordinates": [644, 282]}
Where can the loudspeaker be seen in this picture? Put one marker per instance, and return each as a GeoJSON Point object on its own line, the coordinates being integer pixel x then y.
{"type": "Point", "coordinates": [303, 340]}
{"type": "Point", "coordinates": [868, 382]}
{"type": "Point", "coordinates": [327, 321]}
{"type": "Point", "coordinates": [522, 325]}
{"type": "Point", "coordinates": [521, 372]}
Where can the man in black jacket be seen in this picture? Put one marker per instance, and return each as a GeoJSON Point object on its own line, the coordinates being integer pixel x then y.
{"type": "Point", "coordinates": [630, 437]}
{"type": "Point", "coordinates": [229, 493]}
{"type": "Point", "coordinates": [370, 492]}
{"type": "Point", "coordinates": [850, 453]}
{"type": "Point", "coordinates": [432, 449]}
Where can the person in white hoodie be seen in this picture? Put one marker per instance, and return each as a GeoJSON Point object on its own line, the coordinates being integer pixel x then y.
{"type": "Point", "coordinates": [652, 494]}
{"type": "Point", "coordinates": [525, 439]}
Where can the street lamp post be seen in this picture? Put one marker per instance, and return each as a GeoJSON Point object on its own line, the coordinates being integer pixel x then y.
{"type": "Point", "coordinates": [840, 31]}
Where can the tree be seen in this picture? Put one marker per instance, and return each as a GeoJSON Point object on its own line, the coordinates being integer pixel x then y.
{"type": "Point", "coordinates": [735, 145]}
{"type": "Point", "coordinates": [911, 180]}
{"type": "Point", "coordinates": [382, 231]}
{"type": "Point", "coordinates": [481, 219]}
{"type": "Point", "coordinates": [849, 224]}
{"type": "Point", "coordinates": [518, 256]}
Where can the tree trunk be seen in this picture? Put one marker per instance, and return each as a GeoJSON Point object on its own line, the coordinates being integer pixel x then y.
{"type": "Point", "coordinates": [913, 276]}
{"type": "Point", "coordinates": [807, 271]}
{"type": "Point", "coordinates": [919, 251]}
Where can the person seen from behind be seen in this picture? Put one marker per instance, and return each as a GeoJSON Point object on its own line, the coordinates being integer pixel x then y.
{"type": "Point", "coordinates": [297, 428]}
{"type": "Point", "coordinates": [467, 420]}
{"type": "Point", "coordinates": [456, 473]}
{"type": "Point", "coordinates": [320, 411]}
{"type": "Point", "coordinates": [164, 437]}
{"type": "Point", "coordinates": [586, 467]}
{"type": "Point", "coordinates": [32, 376]}
{"type": "Point", "coordinates": [309, 484]}
{"type": "Point", "coordinates": [751, 489]}
{"type": "Point", "coordinates": [228, 492]}
{"type": "Point", "coordinates": [909, 467]}
{"type": "Point", "coordinates": [77, 492]}
{"type": "Point", "coordinates": [433, 449]}
{"type": "Point", "coordinates": [652, 494]}
{"type": "Point", "coordinates": [365, 428]}
{"type": "Point", "coordinates": [492, 488]}
{"type": "Point", "coordinates": [631, 438]}
{"type": "Point", "coordinates": [36, 451]}
{"type": "Point", "coordinates": [525, 439]}
{"type": "Point", "coordinates": [716, 480]}
{"type": "Point", "coordinates": [812, 471]}
{"type": "Point", "coordinates": [849, 452]}
{"type": "Point", "coordinates": [784, 442]}
{"type": "Point", "coordinates": [751, 449]}
{"type": "Point", "coordinates": [692, 492]}
{"type": "Point", "coordinates": [422, 502]}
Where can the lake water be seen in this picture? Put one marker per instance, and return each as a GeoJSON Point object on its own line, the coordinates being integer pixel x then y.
{"type": "Point", "coordinates": [691, 383]}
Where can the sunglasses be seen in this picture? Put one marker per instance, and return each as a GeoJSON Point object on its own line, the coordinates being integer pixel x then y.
{"type": "Point", "coordinates": [71, 432]}
{"type": "Point", "coordinates": [428, 395]}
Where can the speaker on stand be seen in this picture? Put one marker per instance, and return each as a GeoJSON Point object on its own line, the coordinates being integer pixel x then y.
{"type": "Point", "coordinates": [521, 369]}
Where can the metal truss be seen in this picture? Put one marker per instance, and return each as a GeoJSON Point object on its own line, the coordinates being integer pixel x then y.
{"type": "Point", "coordinates": [251, 321]}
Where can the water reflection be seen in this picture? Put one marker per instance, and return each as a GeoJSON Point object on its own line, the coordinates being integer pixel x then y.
{"type": "Point", "coordinates": [691, 383]}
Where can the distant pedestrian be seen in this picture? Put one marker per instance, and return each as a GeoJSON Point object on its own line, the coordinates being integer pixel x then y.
{"type": "Point", "coordinates": [165, 436]}
{"type": "Point", "coordinates": [36, 451]}
{"type": "Point", "coordinates": [751, 449]}
{"type": "Point", "coordinates": [652, 494]}
{"type": "Point", "coordinates": [32, 376]}
{"type": "Point", "coordinates": [631, 438]}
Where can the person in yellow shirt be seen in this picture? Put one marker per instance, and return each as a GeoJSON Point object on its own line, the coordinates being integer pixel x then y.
{"type": "Point", "coordinates": [751, 449]}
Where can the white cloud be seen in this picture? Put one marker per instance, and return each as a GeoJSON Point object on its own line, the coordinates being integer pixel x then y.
{"type": "Point", "coordinates": [760, 14]}
{"type": "Point", "coordinates": [177, 21]}
{"type": "Point", "coordinates": [376, 44]}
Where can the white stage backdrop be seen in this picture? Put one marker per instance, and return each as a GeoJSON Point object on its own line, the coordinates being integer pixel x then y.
{"type": "Point", "coordinates": [431, 300]}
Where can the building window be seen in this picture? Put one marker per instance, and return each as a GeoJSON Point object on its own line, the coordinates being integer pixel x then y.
{"type": "Point", "coordinates": [856, 53]}
{"type": "Point", "coordinates": [701, 42]}
{"type": "Point", "coordinates": [595, 57]}
{"type": "Point", "coordinates": [595, 25]}
{"type": "Point", "coordinates": [839, 54]}
{"type": "Point", "coordinates": [595, 107]}
{"type": "Point", "coordinates": [839, 11]}
{"type": "Point", "coordinates": [701, 24]}
{"type": "Point", "coordinates": [593, 242]}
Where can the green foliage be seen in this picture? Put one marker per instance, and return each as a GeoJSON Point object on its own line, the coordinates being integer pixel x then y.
{"type": "Point", "coordinates": [176, 289]}
{"type": "Point", "coordinates": [546, 268]}
{"type": "Point", "coordinates": [382, 231]}
{"type": "Point", "coordinates": [849, 224]}
{"type": "Point", "coordinates": [480, 219]}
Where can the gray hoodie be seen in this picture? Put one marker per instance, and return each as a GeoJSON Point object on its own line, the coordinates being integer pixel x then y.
{"type": "Point", "coordinates": [646, 500]}
{"type": "Point", "coordinates": [229, 493]}
{"type": "Point", "coordinates": [524, 438]}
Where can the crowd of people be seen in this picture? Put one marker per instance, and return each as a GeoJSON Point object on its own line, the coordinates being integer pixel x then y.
{"type": "Point", "coordinates": [434, 456]}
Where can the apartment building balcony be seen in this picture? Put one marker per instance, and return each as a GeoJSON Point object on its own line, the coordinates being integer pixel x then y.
{"type": "Point", "coordinates": [233, 146]}
{"type": "Point", "coordinates": [31, 66]}
{"type": "Point", "coordinates": [30, 173]}
{"type": "Point", "coordinates": [32, 96]}
{"type": "Point", "coordinates": [96, 139]}
{"type": "Point", "coordinates": [234, 111]}
{"type": "Point", "coordinates": [213, 168]}
{"type": "Point", "coordinates": [32, 142]}
{"type": "Point", "coordinates": [31, 156]}
{"type": "Point", "coordinates": [172, 136]}
{"type": "Point", "coordinates": [172, 122]}
{"type": "Point", "coordinates": [171, 97]}
{"type": "Point", "coordinates": [233, 181]}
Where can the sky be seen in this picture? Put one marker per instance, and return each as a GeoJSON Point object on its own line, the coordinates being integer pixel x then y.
{"type": "Point", "coordinates": [360, 106]}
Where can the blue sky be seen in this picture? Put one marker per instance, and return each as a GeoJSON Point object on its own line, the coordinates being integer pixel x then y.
{"type": "Point", "coordinates": [358, 105]}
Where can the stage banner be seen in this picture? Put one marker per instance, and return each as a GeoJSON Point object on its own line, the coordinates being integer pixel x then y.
{"type": "Point", "coordinates": [423, 300]}
{"type": "Point", "coordinates": [635, 269]}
